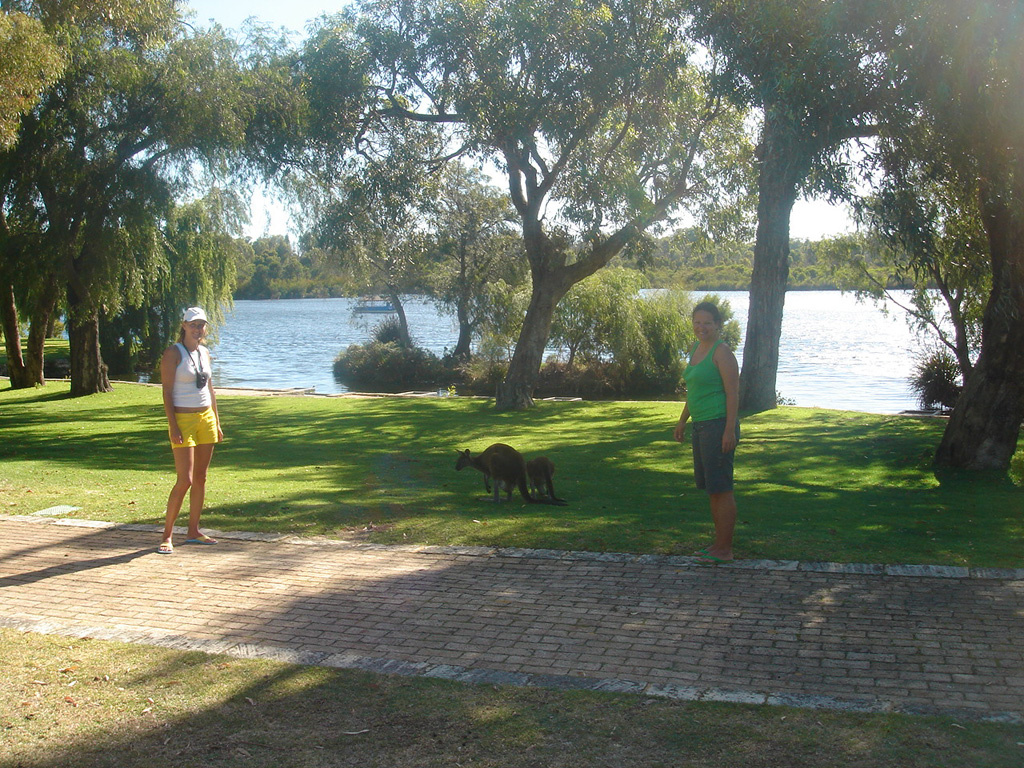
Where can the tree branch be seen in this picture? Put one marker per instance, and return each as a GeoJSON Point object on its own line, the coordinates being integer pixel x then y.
{"type": "Point", "coordinates": [397, 110]}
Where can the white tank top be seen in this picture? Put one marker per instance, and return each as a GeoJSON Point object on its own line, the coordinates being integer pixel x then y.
{"type": "Point", "coordinates": [186, 394]}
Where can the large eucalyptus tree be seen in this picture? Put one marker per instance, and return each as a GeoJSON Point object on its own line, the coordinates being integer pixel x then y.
{"type": "Point", "coordinates": [962, 67]}
{"type": "Point", "coordinates": [815, 69]}
{"type": "Point", "coordinates": [593, 113]}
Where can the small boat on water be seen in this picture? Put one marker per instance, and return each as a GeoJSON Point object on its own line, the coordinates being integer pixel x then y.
{"type": "Point", "coordinates": [373, 304]}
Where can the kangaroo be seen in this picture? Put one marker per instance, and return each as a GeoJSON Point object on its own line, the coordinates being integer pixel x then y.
{"type": "Point", "coordinates": [506, 467]}
{"type": "Point", "coordinates": [540, 471]}
{"type": "Point", "coordinates": [502, 463]}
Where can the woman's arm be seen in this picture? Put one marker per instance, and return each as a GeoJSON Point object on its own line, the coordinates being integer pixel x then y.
{"type": "Point", "coordinates": [729, 370]}
{"type": "Point", "coordinates": [168, 365]}
{"type": "Point", "coordinates": [213, 396]}
{"type": "Point", "coordinates": [680, 430]}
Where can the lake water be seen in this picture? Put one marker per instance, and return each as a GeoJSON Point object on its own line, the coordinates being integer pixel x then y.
{"type": "Point", "coordinates": [835, 352]}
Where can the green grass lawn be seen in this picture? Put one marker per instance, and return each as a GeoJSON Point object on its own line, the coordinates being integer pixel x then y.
{"type": "Point", "coordinates": [811, 484]}
{"type": "Point", "coordinates": [92, 704]}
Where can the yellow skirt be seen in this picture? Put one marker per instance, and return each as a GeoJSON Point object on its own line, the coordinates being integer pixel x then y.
{"type": "Point", "coordinates": [196, 428]}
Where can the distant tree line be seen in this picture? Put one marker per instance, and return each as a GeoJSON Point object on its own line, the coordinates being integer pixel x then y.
{"type": "Point", "coordinates": [689, 259]}
{"type": "Point", "coordinates": [271, 268]}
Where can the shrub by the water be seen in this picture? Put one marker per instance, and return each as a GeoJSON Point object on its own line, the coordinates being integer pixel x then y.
{"type": "Point", "coordinates": [387, 331]}
{"type": "Point", "coordinates": [388, 367]}
{"type": "Point", "coordinates": [480, 375]}
{"type": "Point", "coordinates": [614, 343]}
{"type": "Point", "coordinates": [935, 380]}
{"type": "Point", "coordinates": [595, 380]}
{"type": "Point", "coordinates": [656, 366]}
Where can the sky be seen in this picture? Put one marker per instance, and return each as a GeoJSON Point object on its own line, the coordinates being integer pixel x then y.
{"type": "Point", "coordinates": [811, 220]}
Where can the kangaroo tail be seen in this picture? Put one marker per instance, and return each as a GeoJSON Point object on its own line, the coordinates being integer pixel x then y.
{"type": "Point", "coordinates": [524, 490]}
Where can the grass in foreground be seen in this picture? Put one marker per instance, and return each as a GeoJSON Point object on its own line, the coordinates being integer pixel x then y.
{"type": "Point", "coordinates": [85, 703]}
{"type": "Point", "coordinates": [812, 484]}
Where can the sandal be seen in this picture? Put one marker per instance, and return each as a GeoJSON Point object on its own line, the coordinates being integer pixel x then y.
{"type": "Point", "coordinates": [707, 559]}
{"type": "Point", "coordinates": [165, 548]}
{"type": "Point", "coordinates": [202, 538]}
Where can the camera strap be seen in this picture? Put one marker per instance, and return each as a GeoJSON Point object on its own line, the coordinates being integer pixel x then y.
{"type": "Point", "coordinates": [199, 359]}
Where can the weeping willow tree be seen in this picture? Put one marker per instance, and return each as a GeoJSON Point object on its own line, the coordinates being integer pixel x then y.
{"type": "Point", "coordinates": [142, 103]}
{"type": "Point", "coordinates": [194, 254]}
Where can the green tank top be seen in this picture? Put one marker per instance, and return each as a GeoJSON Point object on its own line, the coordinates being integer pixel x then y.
{"type": "Point", "coordinates": [705, 392]}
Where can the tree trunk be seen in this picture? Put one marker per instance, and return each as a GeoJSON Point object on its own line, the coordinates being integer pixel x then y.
{"type": "Point", "coordinates": [404, 338]}
{"type": "Point", "coordinates": [463, 348]}
{"type": "Point", "coordinates": [88, 373]}
{"type": "Point", "coordinates": [515, 393]}
{"type": "Point", "coordinates": [17, 370]}
{"type": "Point", "coordinates": [36, 347]}
{"type": "Point", "coordinates": [39, 329]}
{"type": "Point", "coordinates": [782, 166]}
{"type": "Point", "coordinates": [985, 425]}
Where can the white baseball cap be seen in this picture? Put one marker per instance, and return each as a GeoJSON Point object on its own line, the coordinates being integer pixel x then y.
{"type": "Point", "coordinates": [194, 313]}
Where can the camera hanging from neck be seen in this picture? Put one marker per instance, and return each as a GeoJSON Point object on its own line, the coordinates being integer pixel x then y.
{"type": "Point", "coordinates": [202, 377]}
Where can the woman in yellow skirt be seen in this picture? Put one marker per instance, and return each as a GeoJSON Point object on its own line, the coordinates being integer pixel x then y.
{"type": "Point", "coordinates": [192, 424]}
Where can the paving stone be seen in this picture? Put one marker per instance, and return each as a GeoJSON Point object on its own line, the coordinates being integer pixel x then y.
{"type": "Point", "coordinates": [672, 691]}
{"type": "Point", "coordinates": [733, 697]}
{"type": "Point", "coordinates": [611, 685]}
{"type": "Point", "coordinates": [478, 676]}
{"type": "Point", "coordinates": [934, 571]}
{"type": "Point", "coordinates": [472, 551]}
{"type": "Point", "coordinates": [820, 701]}
{"type": "Point", "coordinates": [1002, 574]}
{"type": "Point", "coordinates": [183, 643]}
{"type": "Point", "coordinates": [393, 667]}
{"type": "Point", "coordinates": [873, 569]}
{"type": "Point", "coordinates": [764, 565]}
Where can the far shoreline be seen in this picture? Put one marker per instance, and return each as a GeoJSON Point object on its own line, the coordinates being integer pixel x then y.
{"type": "Point", "coordinates": [243, 391]}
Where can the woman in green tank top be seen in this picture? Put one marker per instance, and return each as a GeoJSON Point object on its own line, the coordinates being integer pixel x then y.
{"type": "Point", "coordinates": [712, 401]}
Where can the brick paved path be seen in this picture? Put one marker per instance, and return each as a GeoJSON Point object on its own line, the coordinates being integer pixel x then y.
{"type": "Point", "coordinates": [862, 638]}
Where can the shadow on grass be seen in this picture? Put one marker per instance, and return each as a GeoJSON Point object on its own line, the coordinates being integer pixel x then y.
{"type": "Point", "coordinates": [47, 396]}
{"type": "Point", "coordinates": [820, 485]}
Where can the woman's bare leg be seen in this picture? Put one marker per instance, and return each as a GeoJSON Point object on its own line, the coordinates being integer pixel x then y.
{"type": "Point", "coordinates": [723, 513]}
{"type": "Point", "coordinates": [183, 462]}
{"type": "Point", "coordinates": [197, 497]}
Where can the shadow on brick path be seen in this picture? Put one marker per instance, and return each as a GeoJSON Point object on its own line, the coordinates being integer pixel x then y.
{"type": "Point", "coordinates": [865, 638]}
